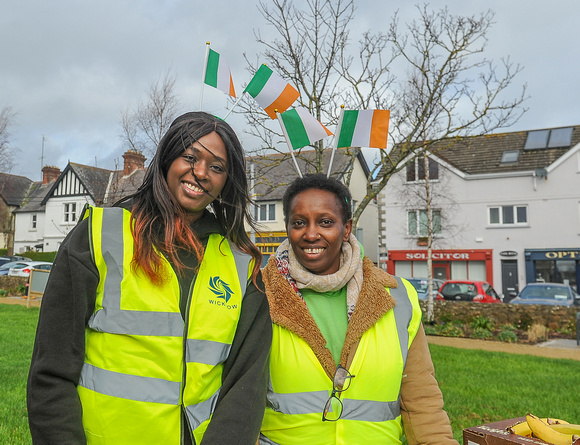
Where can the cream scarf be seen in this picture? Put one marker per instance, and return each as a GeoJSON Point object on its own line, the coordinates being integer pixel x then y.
{"type": "Point", "coordinates": [350, 272]}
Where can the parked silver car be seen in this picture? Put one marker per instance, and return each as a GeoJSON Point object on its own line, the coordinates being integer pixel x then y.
{"type": "Point", "coordinates": [5, 268]}
{"type": "Point", "coordinates": [555, 294]}
{"type": "Point", "coordinates": [23, 269]}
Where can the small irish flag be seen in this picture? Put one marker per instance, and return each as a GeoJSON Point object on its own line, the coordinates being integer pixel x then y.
{"type": "Point", "coordinates": [302, 128]}
{"type": "Point", "coordinates": [364, 128]}
{"type": "Point", "coordinates": [271, 91]}
{"type": "Point", "coordinates": [218, 74]}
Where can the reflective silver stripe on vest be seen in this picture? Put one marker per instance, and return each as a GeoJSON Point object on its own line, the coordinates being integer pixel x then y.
{"type": "Point", "coordinates": [116, 321]}
{"type": "Point", "coordinates": [364, 410]}
{"type": "Point", "coordinates": [370, 410]}
{"type": "Point", "coordinates": [297, 402]}
{"type": "Point", "coordinates": [206, 351]}
{"type": "Point", "coordinates": [131, 387]}
{"type": "Point", "coordinates": [265, 441]}
{"type": "Point", "coordinates": [242, 261]}
{"type": "Point", "coordinates": [111, 318]}
{"type": "Point", "coordinates": [403, 311]}
{"type": "Point", "coordinates": [313, 403]}
{"type": "Point", "coordinates": [200, 412]}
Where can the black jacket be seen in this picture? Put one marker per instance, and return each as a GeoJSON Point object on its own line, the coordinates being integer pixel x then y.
{"type": "Point", "coordinates": [54, 409]}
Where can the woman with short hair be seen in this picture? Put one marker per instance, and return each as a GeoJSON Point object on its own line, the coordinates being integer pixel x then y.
{"type": "Point", "coordinates": [349, 362]}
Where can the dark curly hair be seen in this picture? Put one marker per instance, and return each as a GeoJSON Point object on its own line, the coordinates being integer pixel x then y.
{"type": "Point", "coordinates": [319, 181]}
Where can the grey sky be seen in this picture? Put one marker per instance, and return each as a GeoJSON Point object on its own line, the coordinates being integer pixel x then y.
{"type": "Point", "coordinates": [69, 67]}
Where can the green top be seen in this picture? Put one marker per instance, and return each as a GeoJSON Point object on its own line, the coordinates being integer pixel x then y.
{"type": "Point", "coordinates": [329, 312]}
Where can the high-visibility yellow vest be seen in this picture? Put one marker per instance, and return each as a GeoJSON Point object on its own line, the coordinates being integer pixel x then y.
{"type": "Point", "coordinates": [299, 387]}
{"type": "Point", "coordinates": [143, 363]}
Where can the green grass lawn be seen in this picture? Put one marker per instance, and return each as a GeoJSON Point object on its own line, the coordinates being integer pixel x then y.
{"type": "Point", "coordinates": [17, 329]}
{"type": "Point", "coordinates": [481, 386]}
{"type": "Point", "coordinates": [478, 386]}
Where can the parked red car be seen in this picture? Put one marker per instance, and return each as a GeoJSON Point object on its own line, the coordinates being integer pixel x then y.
{"type": "Point", "coordinates": [468, 290]}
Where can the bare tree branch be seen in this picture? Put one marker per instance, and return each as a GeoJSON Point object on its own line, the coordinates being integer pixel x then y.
{"type": "Point", "coordinates": [143, 128]}
{"type": "Point", "coordinates": [431, 73]}
{"type": "Point", "coordinates": [7, 117]}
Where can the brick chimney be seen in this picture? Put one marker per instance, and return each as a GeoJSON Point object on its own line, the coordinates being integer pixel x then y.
{"type": "Point", "coordinates": [134, 160]}
{"type": "Point", "coordinates": [50, 173]}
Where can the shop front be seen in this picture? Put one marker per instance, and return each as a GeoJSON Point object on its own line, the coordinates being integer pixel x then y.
{"type": "Point", "coordinates": [447, 264]}
{"type": "Point", "coordinates": [553, 266]}
{"type": "Point", "coordinates": [268, 242]}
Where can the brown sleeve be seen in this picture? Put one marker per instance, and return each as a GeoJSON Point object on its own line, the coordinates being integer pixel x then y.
{"type": "Point", "coordinates": [424, 420]}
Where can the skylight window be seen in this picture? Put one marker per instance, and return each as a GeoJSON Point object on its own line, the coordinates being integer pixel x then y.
{"type": "Point", "coordinates": [537, 139]}
{"type": "Point", "coordinates": [510, 157]}
{"type": "Point", "coordinates": [561, 137]}
{"type": "Point", "coordinates": [558, 137]}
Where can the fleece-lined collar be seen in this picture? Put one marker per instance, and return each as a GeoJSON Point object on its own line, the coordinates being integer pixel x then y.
{"type": "Point", "coordinates": [289, 311]}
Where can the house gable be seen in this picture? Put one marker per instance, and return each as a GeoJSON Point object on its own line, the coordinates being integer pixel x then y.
{"type": "Point", "coordinates": [80, 180]}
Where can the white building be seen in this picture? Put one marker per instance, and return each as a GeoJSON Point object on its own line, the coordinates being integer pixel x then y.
{"type": "Point", "coordinates": [54, 206]}
{"type": "Point", "coordinates": [506, 209]}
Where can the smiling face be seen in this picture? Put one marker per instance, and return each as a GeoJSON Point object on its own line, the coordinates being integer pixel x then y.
{"type": "Point", "coordinates": [198, 175]}
{"type": "Point", "coordinates": [316, 230]}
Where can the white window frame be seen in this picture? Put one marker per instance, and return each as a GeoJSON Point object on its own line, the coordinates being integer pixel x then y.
{"type": "Point", "coordinates": [267, 206]}
{"type": "Point", "coordinates": [499, 212]}
{"type": "Point", "coordinates": [417, 218]}
{"type": "Point", "coordinates": [33, 221]}
{"type": "Point", "coordinates": [69, 213]}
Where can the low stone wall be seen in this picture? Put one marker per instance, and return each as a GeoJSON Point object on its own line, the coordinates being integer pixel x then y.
{"type": "Point", "coordinates": [12, 284]}
{"type": "Point", "coordinates": [520, 315]}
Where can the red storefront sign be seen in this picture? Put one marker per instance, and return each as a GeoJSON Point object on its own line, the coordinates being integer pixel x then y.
{"type": "Point", "coordinates": [484, 255]}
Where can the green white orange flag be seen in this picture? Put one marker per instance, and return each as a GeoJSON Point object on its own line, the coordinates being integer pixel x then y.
{"type": "Point", "coordinates": [271, 91]}
{"type": "Point", "coordinates": [364, 128]}
{"type": "Point", "coordinates": [218, 74]}
{"type": "Point", "coordinates": [302, 128]}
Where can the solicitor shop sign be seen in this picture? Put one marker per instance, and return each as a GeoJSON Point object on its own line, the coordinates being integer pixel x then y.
{"type": "Point", "coordinates": [441, 255]}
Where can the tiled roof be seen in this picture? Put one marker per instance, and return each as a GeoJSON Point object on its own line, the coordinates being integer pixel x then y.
{"type": "Point", "coordinates": [13, 188]}
{"type": "Point", "coordinates": [122, 186]}
{"type": "Point", "coordinates": [483, 154]}
{"type": "Point", "coordinates": [274, 172]}
{"type": "Point", "coordinates": [94, 179]}
{"type": "Point", "coordinates": [33, 201]}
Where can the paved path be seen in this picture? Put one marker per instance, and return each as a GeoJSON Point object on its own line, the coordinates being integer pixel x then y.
{"type": "Point", "coordinates": [552, 348]}
{"type": "Point", "coordinates": [19, 300]}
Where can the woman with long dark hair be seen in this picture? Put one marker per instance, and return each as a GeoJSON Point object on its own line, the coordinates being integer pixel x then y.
{"type": "Point", "coordinates": [153, 327]}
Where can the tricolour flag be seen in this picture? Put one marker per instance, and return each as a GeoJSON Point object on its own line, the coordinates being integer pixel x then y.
{"type": "Point", "coordinates": [364, 128]}
{"type": "Point", "coordinates": [271, 91]}
{"type": "Point", "coordinates": [302, 128]}
{"type": "Point", "coordinates": [218, 74]}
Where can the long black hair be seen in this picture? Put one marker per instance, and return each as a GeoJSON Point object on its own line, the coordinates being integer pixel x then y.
{"type": "Point", "coordinates": [160, 222]}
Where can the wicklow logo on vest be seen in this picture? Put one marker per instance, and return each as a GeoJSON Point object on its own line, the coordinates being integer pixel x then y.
{"type": "Point", "coordinates": [222, 291]}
